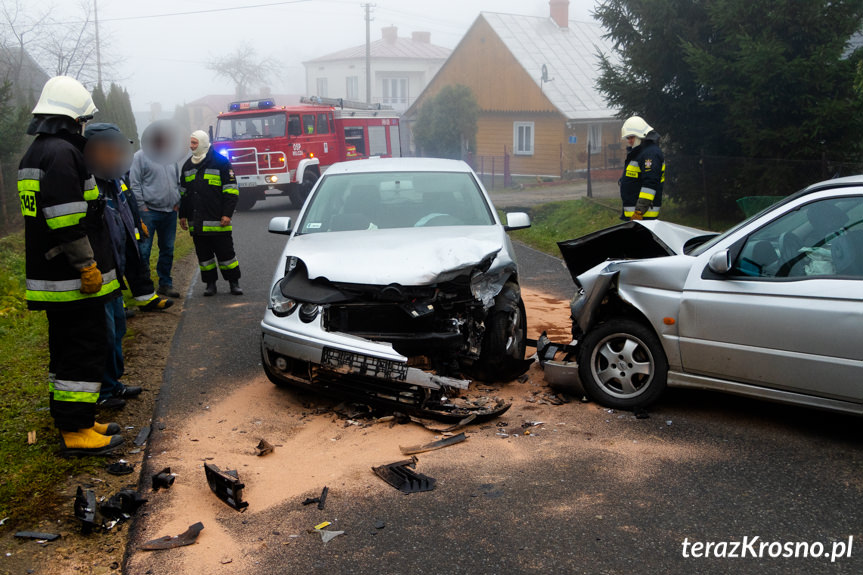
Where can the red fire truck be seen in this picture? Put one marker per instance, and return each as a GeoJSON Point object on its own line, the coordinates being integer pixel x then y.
{"type": "Point", "coordinates": [283, 150]}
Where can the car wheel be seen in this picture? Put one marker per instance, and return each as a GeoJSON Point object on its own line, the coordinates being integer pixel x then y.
{"type": "Point", "coordinates": [503, 345]}
{"type": "Point", "coordinates": [622, 364]}
{"type": "Point", "coordinates": [246, 201]}
{"type": "Point", "coordinates": [300, 192]}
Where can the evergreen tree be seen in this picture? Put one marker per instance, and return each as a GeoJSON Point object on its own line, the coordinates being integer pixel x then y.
{"type": "Point", "coordinates": [446, 125]}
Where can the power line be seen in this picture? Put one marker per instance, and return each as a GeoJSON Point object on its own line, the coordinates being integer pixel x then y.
{"type": "Point", "coordinates": [207, 11]}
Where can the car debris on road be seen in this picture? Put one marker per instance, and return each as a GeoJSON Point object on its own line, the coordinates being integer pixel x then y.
{"type": "Point", "coordinates": [402, 476]}
{"type": "Point", "coordinates": [188, 537]}
{"type": "Point", "coordinates": [226, 485]}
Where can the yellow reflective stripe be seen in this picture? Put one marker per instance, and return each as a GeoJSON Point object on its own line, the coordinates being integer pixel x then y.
{"type": "Point", "coordinates": [76, 396]}
{"type": "Point", "coordinates": [64, 221]}
{"type": "Point", "coordinates": [652, 213]}
{"type": "Point", "coordinates": [662, 179]}
{"type": "Point", "coordinates": [632, 170]}
{"type": "Point", "coordinates": [207, 265]}
{"type": "Point", "coordinates": [213, 180]}
{"type": "Point", "coordinates": [217, 228]}
{"type": "Point", "coordinates": [190, 178]}
{"type": "Point", "coordinates": [28, 185]}
{"type": "Point", "coordinates": [69, 290]}
{"type": "Point", "coordinates": [123, 186]}
{"type": "Point", "coordinates": [231, 189]}
{"type": "Point", "coordinates": [646, 194]}
{"type": "Point", "coordinates": [229, 265]}
{"type": "Point", "coordinates": [91, 191]}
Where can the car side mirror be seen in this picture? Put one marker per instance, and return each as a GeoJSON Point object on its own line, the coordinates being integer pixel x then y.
{"type": "Point", "coordinates": [280, 225]}
{"type": "Point", "coordinates": [719, 262]}
{"type": "Point", "coordinates": [517, 221]}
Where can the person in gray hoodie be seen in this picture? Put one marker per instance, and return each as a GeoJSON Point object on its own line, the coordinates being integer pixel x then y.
{"type": "Point", "coordinates": [155, 180]}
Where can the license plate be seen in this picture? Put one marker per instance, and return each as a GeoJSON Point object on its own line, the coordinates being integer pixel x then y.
{"type": "Point", "coordinates": [245, 183]}
{"type": "Point", "coordinates": [351, 363]}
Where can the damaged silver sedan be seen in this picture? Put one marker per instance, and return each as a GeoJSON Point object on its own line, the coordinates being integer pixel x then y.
{"type": "Point", "coordinates": [398, 284]}
{"type": "Point", "coordinates": [772, 309]}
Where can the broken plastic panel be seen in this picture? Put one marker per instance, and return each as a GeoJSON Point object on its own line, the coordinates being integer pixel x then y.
{"type": "Point", "coordinates": [120, 468]}
{"type": "Point", "coordinates": [402, 477]}
{"type": "Point", "coordinates": [440, 444]}
{"type": "Point", "coordinates": [85, 509]}
{"type": "Point", "coordinates": [226, 485]}
{"type": "Point", "coordinates": [122, 505]}
{"type": "Point", "coordinates": [168, 542]}
{"type": "Point", "coordinates": [163, 480]}
{"type": "Point", "coordinates": [38, 535]}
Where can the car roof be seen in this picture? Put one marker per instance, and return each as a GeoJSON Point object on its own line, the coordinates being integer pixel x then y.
{"type": "Point", "coordinates": [398, 165]}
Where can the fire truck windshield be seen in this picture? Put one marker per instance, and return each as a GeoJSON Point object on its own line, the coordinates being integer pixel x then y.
{"type": "Point", "coordinates": [249, 127]}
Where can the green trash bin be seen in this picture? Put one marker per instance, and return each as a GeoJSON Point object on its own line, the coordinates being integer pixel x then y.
{"type": "Point", "coordinates": [751, 205]}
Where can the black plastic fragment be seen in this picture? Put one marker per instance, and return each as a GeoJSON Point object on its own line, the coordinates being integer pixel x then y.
{"type": "Point", "coordinates": [163, 479]}
{"type": "Point", "coordinates": [85, 509]}
{"type": "Point", "coordinates": [168, 542]}
{"type": "Point", "coordinates": [122, 504]}
{"type": "Point", "coordinates": [142, 436]}
{"type": "Point", "coordinates": [226, 485]}
{"type": "Point", "coordinates": [322, 500]}
{"type": "Point", "coordinates": [120, 468]}
{"type": "Point", "coordinates": [37, 535]}
{"type": "Point", "coordinates": [402, 477]}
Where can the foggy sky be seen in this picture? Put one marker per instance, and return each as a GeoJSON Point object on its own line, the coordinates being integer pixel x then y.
{"type": "Point", "coordinates": [163, 59]}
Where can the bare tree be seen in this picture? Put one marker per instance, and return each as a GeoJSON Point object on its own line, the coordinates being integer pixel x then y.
{"type": "Point", "coordinates": [243, 69]}
{"type": "Point", "coordinates": [19, 31]}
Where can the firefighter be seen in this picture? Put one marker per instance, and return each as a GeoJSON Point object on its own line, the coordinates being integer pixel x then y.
{"type": "Point", "coordinates": [69, 267]}
{"type": "Point", "coordinates": [643, 171]}
{"type": "Point", "coordinates": [208, 197]}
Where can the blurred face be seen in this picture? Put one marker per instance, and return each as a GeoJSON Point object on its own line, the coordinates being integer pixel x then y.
{"type": "Point", "coordinates": [630, 140]}
{"type": "Point", "coordinates": [193, 144]}
{"type": "Point", "coordinates": [108, 158]}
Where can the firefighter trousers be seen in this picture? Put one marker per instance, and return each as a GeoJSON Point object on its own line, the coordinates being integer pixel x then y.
{"type": "Point", "coordinates": [77, 348]}
{"type": "Point", "coordinates": [217, 251]}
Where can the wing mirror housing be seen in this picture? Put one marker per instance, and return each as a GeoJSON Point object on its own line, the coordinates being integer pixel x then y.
{"type": "Point", "coordinates": [720, 262]}
{"type": "Point", "coordinates": [281, 225]}
{"type": "Point", "coordinates": [517, 221]}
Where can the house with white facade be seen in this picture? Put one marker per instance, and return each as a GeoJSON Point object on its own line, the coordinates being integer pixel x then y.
{"type": "Point", "coordinates": [401, 68]}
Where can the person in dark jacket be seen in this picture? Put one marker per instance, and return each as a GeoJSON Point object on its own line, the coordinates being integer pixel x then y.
{"type": "Point", "coordinates": [643, 171]}
{"type": "Point", "coordinates": [70, 270]}
{"type": "Point", "coordinates": [208, 197]}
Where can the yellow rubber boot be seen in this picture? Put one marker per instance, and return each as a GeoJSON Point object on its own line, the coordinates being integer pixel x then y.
{"type": "Point", "coordinates": [106, 428]}
{"type": "Point", "coordinates": [88, 442]}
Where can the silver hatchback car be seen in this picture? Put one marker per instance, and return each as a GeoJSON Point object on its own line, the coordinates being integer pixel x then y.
{"type": "Point", "coordinates": [398, 283]}
{"type": "Point", "coordinates": [772, 308]}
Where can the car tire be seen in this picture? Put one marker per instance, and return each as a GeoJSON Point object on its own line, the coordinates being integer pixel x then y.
{"type": "Point", "coordinates": [301, 191]}
{"type": "Point", "coordinates": [246, 201]}
{"type": "Point", "coordinates": [622, 365]}
{"type": "Point", "coordinates": [503, 345]}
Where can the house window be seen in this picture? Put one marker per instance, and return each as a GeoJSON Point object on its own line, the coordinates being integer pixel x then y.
{"type": "Point", "coordinates": [595, 141]}
{"type": "Point", "coordinates": [395, 91]}
{"type": "Point", "coordinates": [322, 87]}
{"type": "Point", "coordinates": [352, 87]}
{"type": "Point", "coordinates": [522, 138]}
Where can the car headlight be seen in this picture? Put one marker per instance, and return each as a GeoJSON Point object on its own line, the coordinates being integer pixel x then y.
{"type": "Point", "coordinates": [281, 305]}
{"type": "Point", "coordinates": [308, 312]}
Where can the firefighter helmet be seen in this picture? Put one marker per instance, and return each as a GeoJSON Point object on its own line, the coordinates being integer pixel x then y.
{"type": "Point", "coordinates": [635, 126]}
{"type": "Point", "coordinates": [65, 96]}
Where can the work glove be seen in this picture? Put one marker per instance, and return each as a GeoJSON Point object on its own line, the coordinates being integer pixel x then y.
{"type": "Point", "coordinates": [144, 231]}
{"type": "Point", "coordinates": [91, 279]}
{"type": "Point", "coordinates": [637, 216]}
{"type": "Point", "coordinates": [184, 223]}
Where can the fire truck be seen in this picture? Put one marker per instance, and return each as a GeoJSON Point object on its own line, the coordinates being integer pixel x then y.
{"type": "Point", "coordinates": [283, 150]}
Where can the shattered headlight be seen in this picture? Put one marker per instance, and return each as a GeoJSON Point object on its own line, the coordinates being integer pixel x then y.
{"type": "Point", "coordinates": [281, 305]}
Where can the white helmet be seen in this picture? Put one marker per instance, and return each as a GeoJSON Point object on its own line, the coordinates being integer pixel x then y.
{"type": "Point", "coordinates": [635, 126]}
{"type": "Point", "coordinates": [65, 96]}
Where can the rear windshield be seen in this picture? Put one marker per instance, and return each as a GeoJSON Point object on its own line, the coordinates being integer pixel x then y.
{"type": "Point", "coordinates": [387, 200]}
{"type": "Point", "coordinates": [251, 127]}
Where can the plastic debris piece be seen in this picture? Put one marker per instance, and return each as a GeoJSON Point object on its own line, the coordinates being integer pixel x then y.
{"type": "Point", "coordinates": [168, 542]}
{"type": "Point", "coordinates": [226, 485]}
{"type": "Point", "coordinates": [402, 477]}
{"type": "Point", "coordinates": [320, 526]}
{"type": "Point", "coordinates": [641, 414]}
{"type": "Point", "coordinates": [37, 535]}
{"type": "Point", "coordinates": [163, 480]}
{"type": "Point", "coordinates": [439, 444]}
{"type": "Point", "coordinates": [327, 536]}
{"type": "Point", "coordinates": [122, 504]}
{"type": "Point", "coordinates": [264, 448]}
{"type": "Point", "coordinates": [120, 468]}
{"type": "Point", "coordinates": [668, 422]}
{"type": "Point", "coordinates": [85, 509]}
{"type": "Point", "coordinates": [31, 437]}
{"type": "Point", "coordinates": [322, 500]}
{"type": "Point", "coordinates": [142, 436]}
{"type": "Point", "coordinates": [4, 520]}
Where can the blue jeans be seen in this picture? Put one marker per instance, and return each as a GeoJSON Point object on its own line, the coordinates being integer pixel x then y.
{"type": "Point", "coordinates": [163, 225]}
{"type": "Point", "coordinates": [115, 316]}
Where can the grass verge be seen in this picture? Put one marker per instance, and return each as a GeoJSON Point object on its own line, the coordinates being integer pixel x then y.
{"type": "Point", "coordinates": [32, 474]}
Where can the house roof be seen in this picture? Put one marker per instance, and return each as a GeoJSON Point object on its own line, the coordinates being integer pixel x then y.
{"type": "Point", "coordinates": [570, 55]}
{"type": "Point", "coordinates": [407, 48]}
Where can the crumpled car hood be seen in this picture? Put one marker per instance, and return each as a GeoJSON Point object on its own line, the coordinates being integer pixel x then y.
{"type": "Point", "coordinates": [627, 241]}
{"type": "Point", "coordinates": [409, 257]}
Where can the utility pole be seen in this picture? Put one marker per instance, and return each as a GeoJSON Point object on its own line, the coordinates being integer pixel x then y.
{"type": "Point", "coordinates": [368, 7]}
{"type": "Point", "coordinates": [98, 47]}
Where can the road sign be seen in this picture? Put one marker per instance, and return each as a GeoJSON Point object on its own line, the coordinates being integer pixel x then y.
{"type": "Point", "coordinates": [573, 139]}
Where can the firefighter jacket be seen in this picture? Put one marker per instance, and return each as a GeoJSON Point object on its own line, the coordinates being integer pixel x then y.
{"type": "Point", "coordinates": [64, 227]}
{"type": "Point", "coordinates": [208, 192]}
{"type": "Point", "coordinates": [642, 180]}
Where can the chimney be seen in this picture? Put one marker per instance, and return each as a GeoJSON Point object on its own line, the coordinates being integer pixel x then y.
{"type": "Point", "coordinates": [559, 11]}
{"type": "Point", "coordinates": [423, 37]}
{"type": "Point", "coordinates": [390, 34]}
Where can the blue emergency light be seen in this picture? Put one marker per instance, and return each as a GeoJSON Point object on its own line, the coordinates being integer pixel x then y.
{"type": "Point", "coordinates": [252, 105]}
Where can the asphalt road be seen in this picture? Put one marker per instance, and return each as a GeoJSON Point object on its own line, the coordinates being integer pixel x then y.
{"type": "Point", "coordinates": [600, 493]}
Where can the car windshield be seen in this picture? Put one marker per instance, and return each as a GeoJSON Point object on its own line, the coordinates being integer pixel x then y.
{"type": "Point", "coordinates": [388, 200]}
{"type": "Point", "coordinates": [249, 127]}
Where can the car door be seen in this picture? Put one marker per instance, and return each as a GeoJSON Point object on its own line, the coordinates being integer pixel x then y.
{"type": "Point", "coordinates": [789, 313]}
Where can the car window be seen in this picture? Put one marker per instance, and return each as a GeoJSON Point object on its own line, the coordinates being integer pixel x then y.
{"type": "Point", "coordinates": [820, 239]}
{"type": "Point", "coordinates": [388, 200]}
